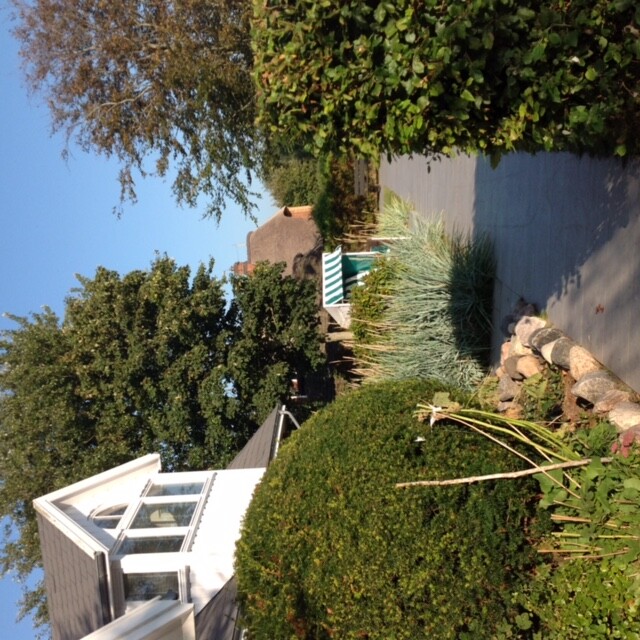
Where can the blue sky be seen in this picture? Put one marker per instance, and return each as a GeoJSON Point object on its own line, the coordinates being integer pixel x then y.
{"type": "Point", "coordinates": [56, 220]}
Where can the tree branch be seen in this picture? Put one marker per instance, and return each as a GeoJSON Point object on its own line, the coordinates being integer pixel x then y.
{"type": "Point", "coordinates": [499, 476]}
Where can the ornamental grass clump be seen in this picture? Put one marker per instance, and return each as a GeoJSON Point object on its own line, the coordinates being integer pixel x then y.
{"type": "Point", "coordinates": [436, 321]}
{"type": "Point", "coordinates": [331, 549]}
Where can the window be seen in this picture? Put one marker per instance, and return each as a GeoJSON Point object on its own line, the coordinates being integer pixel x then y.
{"type": "Point", "coordinates": [110, 517]}
{"type": "Point", "coordinates": [155, 544]}
{"type": "Point", "coordinates": [175, 489]}
{"type": "Point", "coordinates": [170, 514]}
{"type": "Point", "coordinates": [163, 521]}
{"type": "Point", "coordinates": [146, 586]}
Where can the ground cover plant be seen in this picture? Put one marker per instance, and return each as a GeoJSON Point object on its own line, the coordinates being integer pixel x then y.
{"type": "Point", "coordinates": [331, 549]}
{"type": "Point", "coordinates": [482, 76]}
{"type": "Point", "coordinates": [428, 314]}
{"type": "Point", "coordinates": [589, 586]}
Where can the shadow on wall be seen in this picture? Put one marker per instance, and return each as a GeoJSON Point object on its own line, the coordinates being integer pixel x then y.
{"type": "Point", "coordinates": [566, 231]}
{"type": "Point", "coordinates": [566, 235]}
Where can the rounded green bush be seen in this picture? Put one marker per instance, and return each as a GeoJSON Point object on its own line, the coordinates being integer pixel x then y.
{"type": "Point", "coordinates": [331, 549]}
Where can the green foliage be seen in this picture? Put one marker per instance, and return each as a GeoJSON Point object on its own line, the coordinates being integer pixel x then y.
{"type": "Point", "coordinates": [591, 586]}
{"type": "Point", "coordinates": [277, 337]}
{"type": "Point", "coordinates": [330, 548]}
{"type": "Point", "coordinates": [336, 207]}
{"type": "Point", "coordinates": [437, 321]}
{"type": "Point", "coordinates": [370, 301]}
{"type": "Point", "coordinates": [295, 181]}
{"type": "Point", "coordinates": [582, 599]}
{"type": "Point", "coordinates": [484, 76]}
{"type": "Point", "coordinates": [164, 87]}
{"type": "Point", "coordinates": [596, 506]}
{"type": "Point", "coordinates": [541, 396]}
{"type": "Point", "coordinates": [149, 361]}
{"type": "Point", "coordinates": [593, 591]}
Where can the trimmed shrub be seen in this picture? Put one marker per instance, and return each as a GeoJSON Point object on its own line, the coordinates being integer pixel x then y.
{"type": "Point", "coordinates": [331, 549]}
{"type": "Point", "coordinates": [489, 76]}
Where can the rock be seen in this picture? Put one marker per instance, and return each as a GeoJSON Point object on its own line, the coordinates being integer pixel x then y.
{"type": "Point", "coordinates": [507, 325]}
{"type": "Point", "coordinates": [510, 410]}
{"type": "Point", "coordinates": [526, 326]}
{"type": "Point", "coordinates": [505, 350]}
{"type": "Point", "coordinates": [529, 366]}
{"type": "Point", "coordinates": [560, 352]}
{"type": "Point", "coordinates": [511, 367]}
{"type": "Point", "coordinates": [610, 399]}
{"type": "Point", "coordinates": [582, 362]}
{"type": "Point", "coordinates": [522, 309]}
{"type": "Point", "coordinates": [593, 386]}
{"type": "Point", "coordinates": [546, 350]}
{"type": "Point", "coordinates": [625, 415]}
{"type": "Point", "coordinates": [540, 337]}
{"type": "Point", "coordinates": [518, 349]}
{"type": "Point", "coordinates": [508, 389]}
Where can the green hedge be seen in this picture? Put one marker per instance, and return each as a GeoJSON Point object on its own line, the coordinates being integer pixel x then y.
{"type": "Point", "coordinates": [331, 549]}
{"type": "Point", "coordinates": [482, 75]}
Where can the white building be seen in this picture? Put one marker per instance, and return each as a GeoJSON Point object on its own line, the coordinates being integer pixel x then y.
{"type": "Point", "coordinates": [140, 554]}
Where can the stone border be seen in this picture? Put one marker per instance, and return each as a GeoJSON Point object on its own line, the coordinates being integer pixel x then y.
{"type": "Point", "coordinates": [535, 344]}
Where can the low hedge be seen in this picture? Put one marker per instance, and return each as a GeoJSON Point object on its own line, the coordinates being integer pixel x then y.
{"type": "Point", "coordinates": [331, 549]}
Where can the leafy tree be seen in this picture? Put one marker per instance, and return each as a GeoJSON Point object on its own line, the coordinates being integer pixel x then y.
{"type": "Point", "coordinates": [163, 79]}
{"type": "Point", "coordinates": [295, 181]}
{"type": "Point", "coordinates": [150, 361]}
{"type": "Point", "coordinates": [493, 76]}
{"type": "Point", "coordinates": [277, 339]}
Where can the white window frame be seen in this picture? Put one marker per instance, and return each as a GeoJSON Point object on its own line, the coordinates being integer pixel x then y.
{"type": "Point", "coordinates": [159, 562]}
{"type": "Point", "coordinates": [188, 531]}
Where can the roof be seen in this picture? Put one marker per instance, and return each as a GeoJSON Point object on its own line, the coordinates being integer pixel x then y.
{"type": "Point", "coordinates": [76, 582]}
{"type": "Point", "coordinates": [282, 238]}
{"type": "Point", "coordinates": [260, 449]}
{"type": "Point", "coordinates": [217, 621]}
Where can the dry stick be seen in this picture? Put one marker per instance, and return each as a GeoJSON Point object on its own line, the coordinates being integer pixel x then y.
{"type": "Point", "coordinates": [499, 476]}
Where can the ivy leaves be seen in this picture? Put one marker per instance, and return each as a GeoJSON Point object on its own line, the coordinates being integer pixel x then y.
{"type": "Point", "coordinates": [491, 76]}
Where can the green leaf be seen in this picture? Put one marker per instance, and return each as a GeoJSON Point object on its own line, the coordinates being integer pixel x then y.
{"type": "Point", "coordinates": [632, 483]}
{"type": "Point", "coordinates": [524, 621]}
{"type": "Point", "coordinates": [488, 39]}
{"type": "Point", "coordinates": [468, 96]}
{"type": "Point", "coordinates": [594, 469]}
{"type": "Point", "coordinates": [380, 14]}
{"type": "Point", "coordinates": [591, 74]}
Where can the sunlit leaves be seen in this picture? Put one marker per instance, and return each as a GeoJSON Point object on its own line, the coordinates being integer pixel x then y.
{"type": "Point", "coordinates": [490, 76]}
{"type": "Point", "coordinates": [157, 81]}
